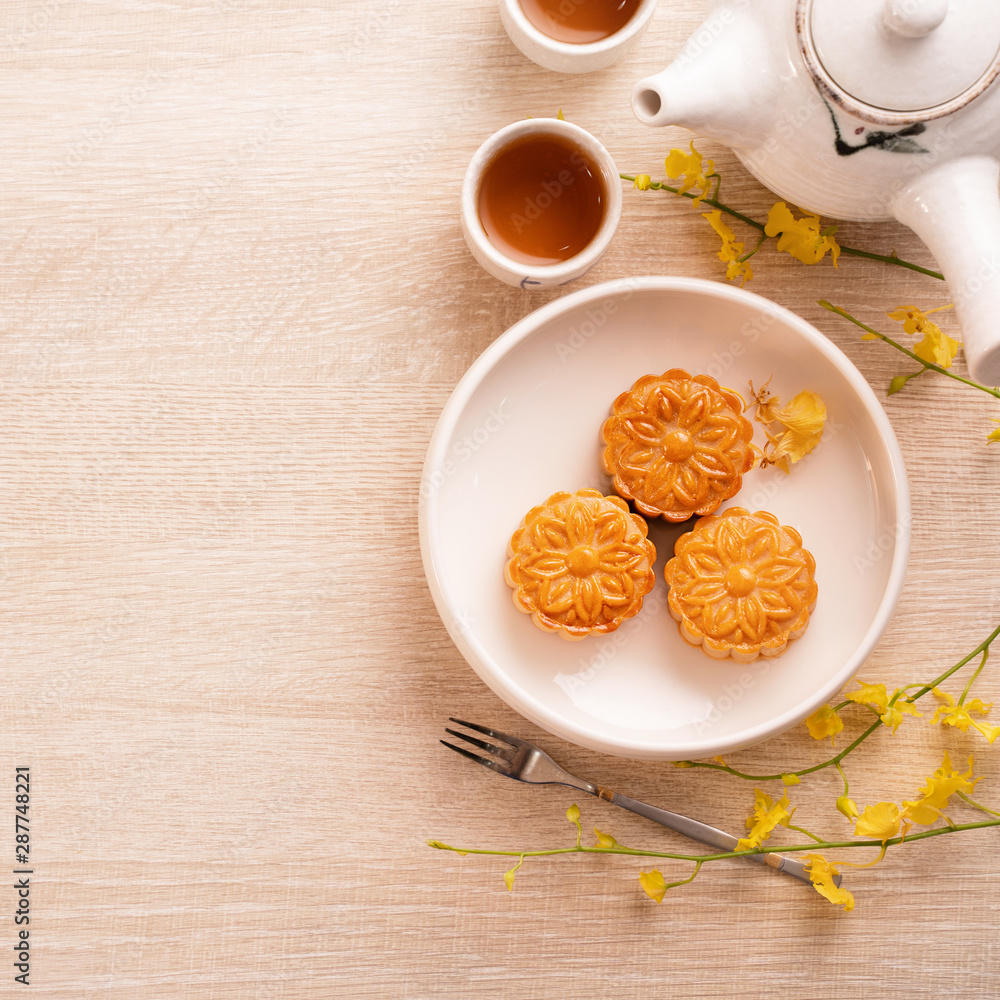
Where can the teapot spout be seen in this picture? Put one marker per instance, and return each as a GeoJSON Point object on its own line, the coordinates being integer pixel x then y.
{"type": "Point", "coordinates": [955, 209]}
{"type": "Point", "coordinates": [705, 88]}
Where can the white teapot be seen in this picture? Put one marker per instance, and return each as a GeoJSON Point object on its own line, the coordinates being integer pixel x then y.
{"type": "Point", "coordinates": [862, 110]}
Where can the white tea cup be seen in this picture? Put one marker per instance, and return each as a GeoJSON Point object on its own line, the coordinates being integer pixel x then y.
{"type": "Point", "coordinates": [572, 57]}
{"type": "Point", "coordinates": [536, 275]}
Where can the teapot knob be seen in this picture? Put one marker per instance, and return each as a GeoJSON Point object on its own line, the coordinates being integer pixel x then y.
{"type": "Point", "coordinates": [914, 18]}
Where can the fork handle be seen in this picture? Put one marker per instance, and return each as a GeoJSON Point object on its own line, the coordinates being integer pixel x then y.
{"type": "Point", "coordinates": [709, 835]}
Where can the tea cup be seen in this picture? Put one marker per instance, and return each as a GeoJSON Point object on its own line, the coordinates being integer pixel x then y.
{"type": "Point", "coordinates": [572, 57]}
{"type": "Point", "coordinates": [539, 275]}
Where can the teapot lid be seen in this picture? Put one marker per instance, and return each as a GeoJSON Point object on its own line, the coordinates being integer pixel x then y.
{"type": "Point", "coordinates": [900, 61]}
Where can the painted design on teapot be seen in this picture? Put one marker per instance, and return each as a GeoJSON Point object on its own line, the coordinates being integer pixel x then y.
{"type": "Point", "coordinates": [890, 142]}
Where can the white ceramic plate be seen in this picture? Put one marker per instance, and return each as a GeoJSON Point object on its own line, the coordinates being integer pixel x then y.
{"type": "Point", "coordinates": [524, 423]}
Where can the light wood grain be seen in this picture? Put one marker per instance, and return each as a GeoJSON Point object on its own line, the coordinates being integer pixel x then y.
{"type": "Point", "coordinates": [235, 298]}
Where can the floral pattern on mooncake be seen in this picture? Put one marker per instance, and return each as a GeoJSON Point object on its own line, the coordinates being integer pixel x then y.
{"type": "Point", "coordinates": [677, 445]}
{"type": "Point", "coordinates": [580, 564]}
{"type": "Point", "coordinates": [741, 585]}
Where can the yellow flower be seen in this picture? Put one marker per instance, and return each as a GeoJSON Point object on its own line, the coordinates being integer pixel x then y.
{"type": "Point", "coordinates": [847, 807]}
{"type": "Point", "coordinates": [805, 414]}
{"type": "Point", "coordinates": [824, 722]}
{"type": "Point", "coordinates": [821, 874]}
{"type": "Point", "coordinates": [937, 347]}
{"type": "Point", "coordinates": [803, 419]}
{"type": "Point", "coordinates": [605, 839]}
{"type": "Point", "coordinates": [873, 695]}
{"type": "Point", "coordinates": [801, 238]}
{"type": "Point", "coordinates": [952, 714]}
{"type": "Point", "coordinates": [689, 165]}
{"type": "Point", "coordinates": [573, 815]}
{"type": "Point", "coordinates": [893, 716]}
{"type": "Point", "coordinates": [731, 250]}
{"type": "Point", "coordinates": [934, 796]}
{"type": "Point", "coordinates": [654, 884]}
{"type": "Point", "coordinates": [738, 269]}
{"type": "Point", "coordinates": [994, 435]}
{"type": "Point", "coordinates": [642, 182]}
{"type": "Point", "coordinates": [508, 876]}
{"type": "Point", "coordinates": [791, 779]}
{"type": "Point", "coordinates": [914, 320]}
{"type": "Point", "coordinates": [766, 402]}
{"type": "Point", "coordinates": [767, 814]}
{"type": "Point", "coordinates": [880, 822]}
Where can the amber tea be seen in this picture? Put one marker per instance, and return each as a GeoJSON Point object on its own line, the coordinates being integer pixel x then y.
{"type": "Point", "coordinates": [579, 21]}
{"type": "Point", "coordinates": [541, 199]}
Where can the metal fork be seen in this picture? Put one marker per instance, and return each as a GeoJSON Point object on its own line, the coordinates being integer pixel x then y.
{"type": "Point", "coordinates": [523, 761]}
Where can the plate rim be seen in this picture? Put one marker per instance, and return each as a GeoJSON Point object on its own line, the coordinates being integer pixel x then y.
{"type": "Point", "coordinates": [476, 655]}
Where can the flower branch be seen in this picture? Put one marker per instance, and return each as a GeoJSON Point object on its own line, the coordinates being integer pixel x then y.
{"type": "Point", "coordinates": [801, 238]}
{"type": "Point", "coordinates": [927, 365]}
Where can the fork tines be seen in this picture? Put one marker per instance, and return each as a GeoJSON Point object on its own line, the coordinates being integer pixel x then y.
{"type": "Point", "coordinates": [500, 756]}
{"type": "Point", "coordinates": [486, 731]}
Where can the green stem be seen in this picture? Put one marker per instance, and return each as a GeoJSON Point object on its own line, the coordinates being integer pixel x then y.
{"type": "Point", "coordinates": [900, 382]}
{"type": "Point", "coordinates": [922, 689]}
{"type": "Point", "coordinates": [891, 259]}
{"type": "Point", "coordinates": [801, 829]}
{"type": "Point", "coordinates": [760, 242]}
{"type": "Point", "coordinates": [775, 849]}
{"type": "Point", "coordinates": [972, 679]}
{"type": "Point", "coordinates": [847, 787]}
{"type": "Point", "coordinates": [660, 186]}
{"type": "Point", "coordinates": [691, 878]}
{"type": "Point", "coordinates": [836, 759]}
{"type": "Point", "coordinates": [977, 805]}
{"type": "Point", "coordinates": [982, 647]}
{"type": "Point", "coordinates": [899, 347]}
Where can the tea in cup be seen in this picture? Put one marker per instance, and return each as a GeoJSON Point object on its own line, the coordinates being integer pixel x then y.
{"type": "Point", "coordinates": [575, 36]}
{"type": "Point", "coordinates": [540, 203]}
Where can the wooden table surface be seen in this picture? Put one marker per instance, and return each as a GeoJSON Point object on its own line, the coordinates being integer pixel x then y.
{"type": "Point", "coordinates": [235, 300]}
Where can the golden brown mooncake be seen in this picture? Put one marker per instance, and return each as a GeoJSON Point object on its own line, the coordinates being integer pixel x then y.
{"type": "Point", "coordinates": [741, 585]}
{"type": "Point", "coordinates": [580, 564]}
{"type": "Point", "coordinates": [677, 445]}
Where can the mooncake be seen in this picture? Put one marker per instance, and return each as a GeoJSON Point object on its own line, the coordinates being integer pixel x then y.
{"type": "Point", "coordinates": [580, 564]}
{"type": "Point", "coordinates": [677, 445]}
{"type": "Point", "coordinates": [741, 585]}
